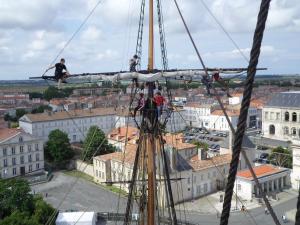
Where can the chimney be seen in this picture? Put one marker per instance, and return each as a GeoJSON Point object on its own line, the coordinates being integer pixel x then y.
{"type": "Point", "coordinates": [202, 154]}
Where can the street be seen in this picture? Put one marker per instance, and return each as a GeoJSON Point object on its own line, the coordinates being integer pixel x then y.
{"type": "Point", "coordinates": [87, 196]}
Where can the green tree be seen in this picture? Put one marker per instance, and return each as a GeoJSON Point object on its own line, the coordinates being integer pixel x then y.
{"type": "Point", "coordinates": [19, 218]}
{"type": "Point", "coordinates": [15, 195]}
{"type": "Point", "coordinates": [35, 95]}
{"type": "Point", "coordinates": [40, 109]}
{"type": "Point", "coordinates": [58, 147]}
{"type": "Point", "coordinates": [42, 210]}
{"type": "Point", "coordinates": [53, 92]}
{"type": "Point", "coordinates": [19, 206]}
{"type": "Point", "coordinates": [281, 157]}
{"type": "Point", "coordinates": [200, 144]}
{"type": "Point", "coordinates": [20, 113]}
{"type": "Point", "coordinates": [95, 138]}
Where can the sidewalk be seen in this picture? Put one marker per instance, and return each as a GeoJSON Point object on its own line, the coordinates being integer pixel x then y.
{"type": "Point", "coordinates": [211, 204]}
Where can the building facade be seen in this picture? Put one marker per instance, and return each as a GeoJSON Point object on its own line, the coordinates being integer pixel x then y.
{"type": "Point", "coordinates": [272, 179]}
{"type": "Point", "coordinates": [75, 123]}
{"type": "Point", "coordinates": [281, 117]}
{"type": "Point", "coordinates": [20, 153]}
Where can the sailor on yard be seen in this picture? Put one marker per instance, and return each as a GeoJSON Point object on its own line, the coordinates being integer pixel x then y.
{"type": "Point", "coordinates": [133, 62]}
{"type": "Point", "coordinates": [61, 72]}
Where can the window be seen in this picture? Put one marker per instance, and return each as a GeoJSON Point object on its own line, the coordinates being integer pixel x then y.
{"type": "Point", "coordinates": [198, 189]}
{"type": "Point", "coordinates": [22, 159]}
{"type": "Point", "coordinates": [29, 148]}
{"type": "Point", "coordinates": [266, 115]}
{"type": "Point", "coordinates": [271, 129]}
{"type": "Point", "coordinates": [36, 147]}
{"type": "Point", "coordinates": [30, 168]}
{"type": "Point", "coordinates": [286, 116]}
{"type": "Point", "coordinates": [5, 162]}
{"type": "Point", "coordinates": [208, 175]}
{"type": "Point", "coordinates": [239, 187]}
{"type": "Point", "coordinates": [29, 158]}
{"type": "Point", "coordinates": [13, 150]}
{"type": "Point", "coordinates": [21, 149]}
{"type": "Point", "coordinates": [14, 171]}
{"type": "Point", "coordinates": [37, 166]}
{"type": "Point", "coordinates": [294, 131]}
{"type": "Point", "coordinates": [294, 117]}
{"type": "Point", "coordinates": [21, 139]}
{"type": "Point", "coordinates": [285, 130]}
{"type": "Point", "coordinates": [13, 161]}
{"type": "Point", "coordinates": [272, 116]}
{"type": "Point", "coordinates": [37, 157]}
{"type": "Point", "coordinates": [96, 173]}
{"type": "Point", "coordinates": [4, 152]}
{"type": "Point", "coordinates": [214, 174]}
{"type": "Point", "coordinates": [205, 188]}
{"type": "Point", "coordinates": [74, 137]}
{"type": "Point", "coordinates": [188, 180]}
{"type": "Point", "coordinates": [277, 116]}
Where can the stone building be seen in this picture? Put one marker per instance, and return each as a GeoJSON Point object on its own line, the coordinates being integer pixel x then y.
{"type": "Point", "coordinates": [281, 116]}
{"type": "Point", "coordinates": [20, 153]}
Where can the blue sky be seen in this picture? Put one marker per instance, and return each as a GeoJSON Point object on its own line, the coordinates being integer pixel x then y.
{"type": "Point", "coordinates": [33, 32]}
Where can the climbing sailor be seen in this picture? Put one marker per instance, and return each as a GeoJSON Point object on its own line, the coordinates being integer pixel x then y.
{"type": "Point", "coordinates": [141, 104]}
{"type": "Point", "coordinates": [160, 101]}
{"type": "Point", "coordinates": [223, 83]}
{"type": "Point", "coordinates": [207, 82]}
{"type": "Point", "coordinates": [133, 62]}
{"type": "Point", "coordinates": [61, 72]}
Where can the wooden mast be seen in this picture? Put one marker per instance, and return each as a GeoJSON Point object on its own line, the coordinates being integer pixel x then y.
{"type": "Point", "coordinates": [151, 38]}
{"type": "Point", "coordinates": [150, 148]}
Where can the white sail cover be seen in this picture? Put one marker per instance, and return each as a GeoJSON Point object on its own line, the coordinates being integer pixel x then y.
{"type": "Point", "coordinates": [144, 77]}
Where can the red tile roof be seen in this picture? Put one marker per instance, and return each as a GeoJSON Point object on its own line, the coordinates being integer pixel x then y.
{"type": "Point", "coordinates": [219, 160]}
{"type": "Point", "coordinates": [260, 171]}
{"type": "Point", "coordinates": [7, 133]}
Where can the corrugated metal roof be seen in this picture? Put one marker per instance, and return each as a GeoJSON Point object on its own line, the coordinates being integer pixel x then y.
{"type": "Point", "coordinates": [285, 100]}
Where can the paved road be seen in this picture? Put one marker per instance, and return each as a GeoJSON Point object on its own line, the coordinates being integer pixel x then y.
{"type": "Point", "coordinates": [91, 197]}
{"type": "Point", "coordinates": [83, 196]}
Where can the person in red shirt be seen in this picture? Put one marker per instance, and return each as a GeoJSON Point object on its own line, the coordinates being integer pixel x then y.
{"type": "Point", "coordinates": [160, 101]}
{"type": "Point", "coordinates": [223, 83]}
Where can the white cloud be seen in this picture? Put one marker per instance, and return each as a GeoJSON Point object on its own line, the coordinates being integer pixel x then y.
{"type": "Point", "coordinates": [91, 33]}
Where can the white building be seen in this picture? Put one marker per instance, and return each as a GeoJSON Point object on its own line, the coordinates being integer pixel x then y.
{"type": "Point", "coordinates": [20, 153]}
{"type": "Point", "coordinates": [281, 116]}
{"type": "Point", "coordinates": [79, 218]}
{"type": "Point", "coordinates": [198, 115]}
{"type": "Point", "coordinates": [75, 123]}
{"type": "Point", "coordinates": [295, 175]}
{"type": "Point", "coordinates": [272, 179]}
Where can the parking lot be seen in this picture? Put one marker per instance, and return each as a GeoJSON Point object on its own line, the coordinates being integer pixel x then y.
{"type": "Point", "coordinates": [214, 139]}
{"type": "Point", "coordinates": [82, 195]}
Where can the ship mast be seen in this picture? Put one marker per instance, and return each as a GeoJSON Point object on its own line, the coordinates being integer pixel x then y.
{"type": "Point", "coordinates": [150, 148]}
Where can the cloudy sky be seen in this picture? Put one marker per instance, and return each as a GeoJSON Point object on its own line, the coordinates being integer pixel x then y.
{"type": "Point", "coordinates": [32, 33]}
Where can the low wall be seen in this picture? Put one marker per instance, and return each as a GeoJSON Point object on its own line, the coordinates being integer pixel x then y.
{"type": "Point", "coordinates": [84, 167]}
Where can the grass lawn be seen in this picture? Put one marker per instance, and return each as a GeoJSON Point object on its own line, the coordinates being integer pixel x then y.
{"type": "Point", "coordinates": [75, 173]}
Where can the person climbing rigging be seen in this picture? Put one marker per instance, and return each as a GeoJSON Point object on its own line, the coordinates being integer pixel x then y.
{"type": "Point", "coordinates": [207, 82]}
{"type": "Point", "coordinates": [224, 85]}
{"type": "Point", "coordinates": [133, 62]}
{"type": "Point", "coordinates": [141, 104]}
{"type": "Point", "coordinates": [160, 101]}
{"type": "Point", "coordinates": [61, 72]}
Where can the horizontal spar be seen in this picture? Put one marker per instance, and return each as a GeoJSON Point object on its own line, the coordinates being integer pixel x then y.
{"type": "Point", "coordinates": [148, 74]}
{"type": "Point", "coordinates": [129, 181]}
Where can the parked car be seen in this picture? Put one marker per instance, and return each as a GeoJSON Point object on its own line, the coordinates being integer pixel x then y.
{"type": "Point", "coordinates": [264, 156]}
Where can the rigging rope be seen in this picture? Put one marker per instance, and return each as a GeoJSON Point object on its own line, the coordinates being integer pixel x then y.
{"type": "Point", "coordinates": [298, 210]}
{"type": "Point", "coordinates": [139, 41]}
{"type": "Point", "coordinates": [254, 56]}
